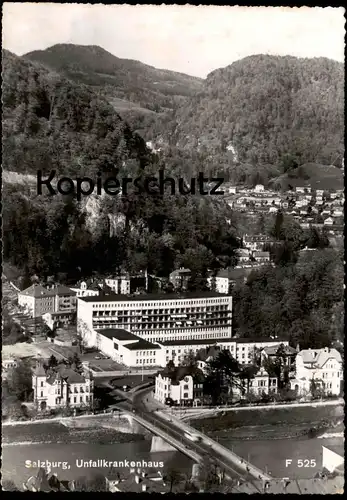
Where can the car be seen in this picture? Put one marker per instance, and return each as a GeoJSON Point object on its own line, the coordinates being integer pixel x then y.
{"type": "Point", "coordinates": [97, 357]}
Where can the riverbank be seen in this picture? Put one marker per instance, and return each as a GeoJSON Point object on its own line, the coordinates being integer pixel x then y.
{"type": "Point", "coordinates": [109, 430]}
{"type": "Point", "coordinates": [271, 423]}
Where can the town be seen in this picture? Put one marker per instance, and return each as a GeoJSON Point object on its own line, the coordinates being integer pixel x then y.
{"type": "Point", "coordinates": [173, 249]}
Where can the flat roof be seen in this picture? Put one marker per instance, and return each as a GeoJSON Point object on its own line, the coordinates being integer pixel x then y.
{"type": "Point", "coordinates": [147, 297]}
{"type": "Point", "coordinates": [141, 344]}
{"type": "Point", "coordinates": [195, 341]}
{"type": "Point", "coordinates": [117, 333]}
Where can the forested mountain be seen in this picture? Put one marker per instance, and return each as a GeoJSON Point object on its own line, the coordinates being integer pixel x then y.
{"type": "Point", "coordinates": [263, 108]}
{"type": "Point", "coordinates": [49, 123]}
{"type": "Point", "coordinates": [148, 87]}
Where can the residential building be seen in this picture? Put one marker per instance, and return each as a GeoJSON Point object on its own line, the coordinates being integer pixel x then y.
{"type": "Point", "coordinates": [47, 482]}
{"type": "Point", "coordinates": [58, 319]}
{"type": "Point", "coordinates": [262, 383]}
{"type": "Point", "coordinates": [138, 481]}
{"type": "Point", "coordinates": [232, 189]}
{"type": "Point", "coordinates": [259, 188]}
{"type": "Point", "coordinates": [300, 189]}
{"type": "Point", "coordinates": [287, 352]}
{"type": "Point", "coordinates": [38, 300]}
{"type": "Point", "coordinates": [256, 242]}
{"type": "Point", "coordinates": [323, 366]}
{"type": "Point", "coordinates": [204, 356]}
{"type": "Point", "coordinates": [186, 316]}
{"type": "Point", "coordinates": [220, 282]}
{"type": "Point", "coordinates": [329, 221]}
{"type": "Point", "coordinates": [183, 385]}
{"type": "Point", "coordinates": [261, 257]}
{"type": "Point", "coordinates": [177, 350]}
{"type": "Point", "coordinates": [62, 387]}
{"type": "Point", "coordinates": [119, 285]}
{"type": "Point", "coordinates": [243, 255]}
{"type": "Point", "coordinates": [180, 277]}
{"type": "Point", "coordinates": [333, 458]}
{"type": "Point", "coordinates": [83, 291]}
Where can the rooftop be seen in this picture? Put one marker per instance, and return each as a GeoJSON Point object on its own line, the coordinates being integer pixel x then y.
{"type": "Point", "coordinates": [148, 297]}
{"type": "Point", "coordinates": [37, 291]}
{"type": "Point", "coordinates": [195, 341]}
{"type": "Point", "coordinates": [117, 333]}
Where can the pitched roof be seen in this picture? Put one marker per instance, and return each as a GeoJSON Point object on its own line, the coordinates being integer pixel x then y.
{"type": "Point", "coordinates": [178, 373]}
{"type": "Point", "coordinates": [34, 291]}
{"type": "Point", "coordinates": [319, 356]}
{"type": "Point", "coordinates": [272, 350]}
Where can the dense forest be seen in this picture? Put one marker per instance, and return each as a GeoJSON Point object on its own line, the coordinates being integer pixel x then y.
{"type": "Point", "coordinates": [302, 300]}
{"type": "Point", "coordinates": [267, 107]}
{"type": "Point", "coordinates": [52, 123]}
{"type": "Point", "coordinates": [150, 88]}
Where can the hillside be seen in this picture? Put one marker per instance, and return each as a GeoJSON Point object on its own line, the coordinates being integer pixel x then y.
{"type": "Point", "coordinates": [142, 85]}
{"type": "Point", "coordinates": [50, 122]}
{"type": "Point", "coordinates": [317, 176]}
{"type": "Point", "coordinates": [261, 108]}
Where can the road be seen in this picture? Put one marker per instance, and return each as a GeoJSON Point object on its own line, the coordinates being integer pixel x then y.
{"type": "Point", "coordinates": [207, 449]}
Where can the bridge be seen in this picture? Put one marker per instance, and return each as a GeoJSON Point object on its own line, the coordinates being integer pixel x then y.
{"type": "Point", "coordinates": [172, 431]}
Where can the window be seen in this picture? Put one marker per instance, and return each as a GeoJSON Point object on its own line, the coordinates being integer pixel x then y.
{"type": "Point", "coordinates": [41, 394]}
{"type": "Point", "coordinates": [185, 387]}
{"type": "Point", "coordinates": [81, 399]}
{"type": "Point", "coordinates": [75, 399]}
{"type": "Point", "coordinates": [87, 399]}
{"type": "Point", "coordinates": [41, 384]}
{"type": "Point", "coordinates": [185, 395]}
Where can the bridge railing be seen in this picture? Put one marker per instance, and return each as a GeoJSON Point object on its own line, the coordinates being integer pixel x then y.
{"type": "Point", "coordinates": [222, 450]}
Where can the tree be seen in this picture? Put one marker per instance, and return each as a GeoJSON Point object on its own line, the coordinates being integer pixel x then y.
{"type": "Point", "coordinates": [20, 380]}
{"type": "Point", "coordinates": [173, 477]}
{"type": "Point", "coordinates": [52, 362]}
{"type": "Point", "coordinates": [189, 359]}
{"type": "Point", "coordinates": [83, 333]}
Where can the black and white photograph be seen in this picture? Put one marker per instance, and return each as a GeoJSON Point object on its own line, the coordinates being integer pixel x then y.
{"type": "Point", "coordinates": [172, 248]}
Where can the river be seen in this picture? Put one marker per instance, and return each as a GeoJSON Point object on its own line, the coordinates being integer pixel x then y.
{"type": "Point", "coordinates": [262, 444]}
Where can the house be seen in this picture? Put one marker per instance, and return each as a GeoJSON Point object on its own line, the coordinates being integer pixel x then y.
{"type": "Point", "coordinates": [58, 319]}
{"type": "Point", "coordinates": [38, 300]}
{"type": "Point", "coordinates": [286, 351]}
{"type": "Point", "coordinates": [220, 282]}
{"type": "Point", "coordinates": [329, 221]}
{"type": "Point", "coordinates": [333, 458]}
{"type": "Point", "coordinates": [120, 284]}
{"type": "Point", "coordinates": [138, 481]}
{"type": "Point", "coordinates": [46, 482]}
{"type": "Point", "coordinates": [243, 255]}
{"type": "Point", "coordinates": [203, 356]}
{"type": "Point", "coordinates": [232, 190]}
{"type": "Point", "coordinates": [82, 290]}
{"type": "Point", "coordinates": [183, 385]}
{"type": "Point", "coordinates": [337, 213]}
{"type": "Point", "coordinates": [323, 366]}
{"type": "Point", "coordinates": [180, 277]}
{"type": "Point", "coordinates": [62, 387]}
{"type": "Point", "coordinates": [272, 209]}
{"type": "Point", "coordinates": [300, 189]}
{"type": "Point", "coordinates": [261, 257]}
{"type": "Point", "coordinates": [319, 193]}
{"type": "Point", "coordinates": [256, 242]}
{"type": "Point", "coordinates": [263, 383]}
{"type": "Point", "coordinates": [259, 188]}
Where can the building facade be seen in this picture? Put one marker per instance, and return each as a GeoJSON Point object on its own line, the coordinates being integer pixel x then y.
{"type": "Point", "coordinates": [62, 387]}
{"type": "Point", "coordinates": [181, 385]}
{"type": "Point", "coordinates": [205, 315]}
{"type": "Point", "coordinates": [323, 367]}
{"type": "Point", "coordinates": [119, 285]}
{"type": "Point", "coordinates": [38, 300]}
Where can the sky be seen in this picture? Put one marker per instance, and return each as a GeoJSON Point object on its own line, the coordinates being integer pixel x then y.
{"type": "Point", "coordinates": [189, 39]}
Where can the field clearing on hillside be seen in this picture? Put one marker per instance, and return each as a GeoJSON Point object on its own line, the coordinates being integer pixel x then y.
{"type": "Point", "coordinates": [318, 176]}
{"type": "Point", "coordinates": [124, 105]}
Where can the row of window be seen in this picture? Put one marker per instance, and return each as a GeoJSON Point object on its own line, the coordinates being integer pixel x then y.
{"type": "Point", "coordinates": [72, 400]}
{"type": "Point", "coordinates": [122, 305]}
{"type": "Point", "coordinates": [145, 361]}
{"type": "Point", "coordinates": [145, 353]}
